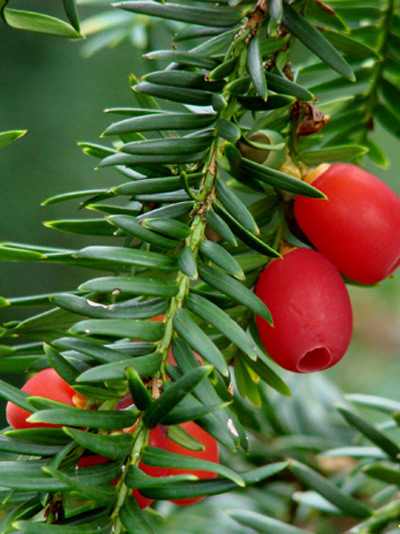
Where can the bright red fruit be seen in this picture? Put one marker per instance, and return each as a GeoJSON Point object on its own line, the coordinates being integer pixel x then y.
{"type": "Point", "coordinates": [210, 453]}
{"type": "Point", "coordinates": [358, 227]}
{"type": "Point", "coordinates": [156, 439]}
{"type": "Point", "coordinates": [47, 384]}
{"type": "Point", "coordinates": [310, 308]}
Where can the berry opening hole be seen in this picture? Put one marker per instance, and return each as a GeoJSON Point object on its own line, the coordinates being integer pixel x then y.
{"type": "Point", "coordinates": [314, 360]}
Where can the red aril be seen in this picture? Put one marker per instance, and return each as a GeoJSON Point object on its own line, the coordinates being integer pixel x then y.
{"type": "Point", "coordinates": [358, 227]}
{"type": "Point", "coordinates": [311, 311]}
{"type": "Point", "coordinates": [48, 384]}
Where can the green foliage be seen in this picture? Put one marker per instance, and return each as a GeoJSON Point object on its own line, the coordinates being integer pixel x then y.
{"type": "Point", "coordinates": [187, 245]}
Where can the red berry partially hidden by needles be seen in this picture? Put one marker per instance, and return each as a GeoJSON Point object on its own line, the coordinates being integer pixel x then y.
{"type": "Point", "coordinates": [47, 384]}
{"type": "Point", "coordinates": [210, 453]}
{"type": "Point", "coordinates": [358, 227]}
{"type": "Point", "coordinates": [310, 308]}
{"type": "Point", "coordinates": [156, 439]}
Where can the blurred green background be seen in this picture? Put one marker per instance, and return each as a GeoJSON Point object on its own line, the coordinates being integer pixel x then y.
{"type": "Point", "coordinates": [49, 88]}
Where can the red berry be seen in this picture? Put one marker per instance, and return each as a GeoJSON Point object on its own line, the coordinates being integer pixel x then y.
{"type": "Point", "coordinates": [358, 227]}
{"type": "Point", "coordinates": [210, 453]}
{"type": "Point", "coordinates": [156, 439]}
{"type": "Point", "coordinates": [310, 309]}
{"type": "Point", "coordinates": [47, 384]}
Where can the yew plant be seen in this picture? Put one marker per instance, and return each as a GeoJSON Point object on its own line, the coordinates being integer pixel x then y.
{"type": "Point", "coordinates": [210, 160]}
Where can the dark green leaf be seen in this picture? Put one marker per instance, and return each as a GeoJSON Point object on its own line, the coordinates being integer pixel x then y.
{"type": "Point", "coordinates": [187, 263]}
{"type": "Point", "coordinates": [235, 290]}
{"type": "Point", "coordinates": [172, 395]}
{"type": "Point", "coordinates": [228, 130]}
{"type": "Point", "coordinates": [222, 258]}
{"type": "Point", "coordinates": [133, 519]}
{"type": "Point", "coordinates": [154, 159]}
{"type": "Point", "coordinates": [40, 436]}
{"type": "Point", "coordinates": [136, 478]}
{"type": "Point", "coordinates": [376, 154]}
{"type": "Point", "coordinates": [75, 194]}
{"type": "Point", "coordinates": [256, 103]}
{"type": "Point", "coordinates": [131, 309]}
{"type": "Point", "coordinates": [220, 227]}
{"type": "Point", "coordinates": [390, 474]}
{"type": "Point", "coordinates": [350, 46]}
{"type": "Point", "coordinates": [140, 394]}
{"type": "Point", "coordinates": [269, 376]}
{"type": "Point", "coordinates": [388, 119]}
{"type": "Point", "coordinates": [143, 330]}
{"type": "Point", "coordinates": [183, 414]}
{"type": "Point", "coordinates": [391, 94]}
{"type": "Point", "coordinates": [224, 425]}
{"type": "Point", "coordinates": [144, 365]}
{"type": "Point", "coordinates": [250, 239]}
{"type": "Point", "coordinates": [170, 212]}
{"type": "Point", "coordinates": [82, 226]}
{"type": "Point", "coordinates": [256, 68]}
{"type": "Point", "coordinates": [212, 314]}
{"type": "Point", "coordinates": [105, 495]}
{"type": "Point", "coordinates": [333, 153]}
{"type": "Point", "coordinates": [223, 70]}
{"type": "Point", "coordinates": [220, 17]}
{"type": "Point", "coordinates": [72, 13]}
{"type": "Point", "coordinates": [179, 435]}
{"type": "Point", "coordinates": [236, 207]}
{"type": "Point", "coordinates": [326, 16]}
{"type": "Point", "coordinates": [162, 121]}
{"type": "Point", "coordinates": [102, 353]}
{"type": "Point", "coordinates": [185, 78]}
{"type": "Point", "coordinates": [158, 457]}
{"type": "Point", "coordinates": [199, 341]}
{"type": "Point", "coordinates": [115, 447]}
{"type": "Point", "coordinates": [287, 87]}
{"type": "Point", "coordinates": [17, 446]}
{"type": "Point", "coordinates": [66, 370]}
{"type": "Point", "coordinates": [315, 41]}
{"type": "Point", "coordinates": [155, 185]}
{"type": "Point", "coordinates": [39, 22]}
{"type": "Point", "coordinates": [280, 179]}
{"type": "Point", "coordinates": [168, 145]}
{"type": "Point", "coordinates": [176, 94]}
{"type": "Point", "coordinates": [183, 58]}
{"type": "Point", "coordinates": [15, 395]}
{"type": "Point", "coordinates": [327, 489]}
{"type": "Point", "coordinates": [132, 226]}
{"type": "Point", "coordinates": [371, 432]}
{"type": "Point", "coordinates": [108, 420]}
{"type": "Point", "coordinates": [128, 256]}
{"type": "Point", "coordinates": [131, 286]}
{"type": "Point", "coordinates": [184, 490]}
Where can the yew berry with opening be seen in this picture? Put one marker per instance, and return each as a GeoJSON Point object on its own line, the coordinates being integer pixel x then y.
{"type": "Point", "coordinates": [311, 311]}
{"type": "Point", "coordinates": [210, 453]}
{"type": "Point", "coordinates": [48, 384]}
{"type": "Point", "coordinates": [358, 227]}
